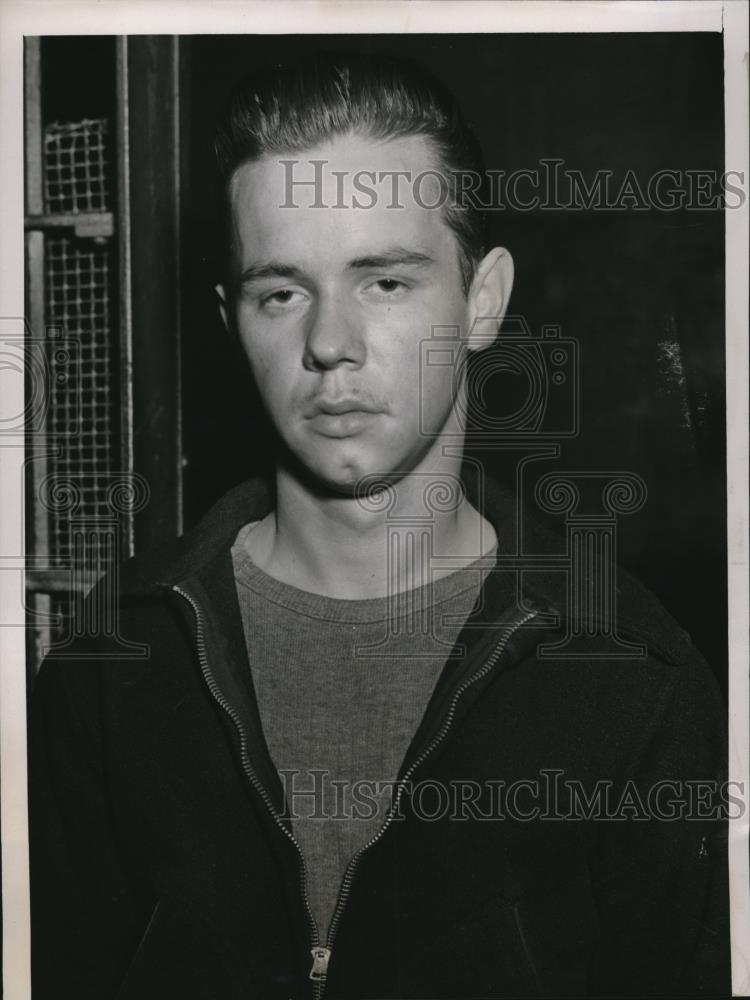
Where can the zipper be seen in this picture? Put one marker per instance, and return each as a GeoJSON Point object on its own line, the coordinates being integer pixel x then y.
{"type": "Point", "coordinates": [320, 955]}
{"type": "Point", "coordinates": [346, 884]}
{"type": "Point", "coordinates": [321, 958]}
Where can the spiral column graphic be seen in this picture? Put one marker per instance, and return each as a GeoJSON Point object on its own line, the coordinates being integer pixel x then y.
{"type": "Point", "coordinates": [591, 571]}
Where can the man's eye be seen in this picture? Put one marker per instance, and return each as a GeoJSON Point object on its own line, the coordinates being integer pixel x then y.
{"type": "Point", "coordinates": [389, 286]}
{"type": "Point", "coordinates": [282, 297]}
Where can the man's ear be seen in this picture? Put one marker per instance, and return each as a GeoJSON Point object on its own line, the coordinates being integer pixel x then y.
{"type": "Point", "coordinates": [488, 297]}
{"type": "Point", "coordinates": [221, 292]}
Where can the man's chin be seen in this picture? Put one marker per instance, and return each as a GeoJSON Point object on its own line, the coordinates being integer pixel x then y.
{"type": "Point", "coordinates": [346, 474]}
{"type": "Point", "coordinates": [327, 475]}
{"type": "Point", "coordinates": [355, 480]}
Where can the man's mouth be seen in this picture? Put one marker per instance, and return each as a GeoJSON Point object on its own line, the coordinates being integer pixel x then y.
{"type": "Point", "coordinates": [343, 417]}
{"type": "Point", "coordinates": [346, 404]}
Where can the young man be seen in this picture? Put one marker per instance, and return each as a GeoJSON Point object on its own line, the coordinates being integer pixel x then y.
{"type": "Point", "coordinates": [323, 778]}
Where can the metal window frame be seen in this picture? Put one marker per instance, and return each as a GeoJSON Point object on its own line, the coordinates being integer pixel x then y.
{"type": "Point", "coordinates": [146, 229]}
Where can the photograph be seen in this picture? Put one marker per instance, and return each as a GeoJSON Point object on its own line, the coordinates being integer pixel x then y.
{"type": "Point", "coordinates": [380, 463]}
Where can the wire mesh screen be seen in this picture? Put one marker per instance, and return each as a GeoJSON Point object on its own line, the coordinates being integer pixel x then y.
{"type": "Point", "coordinates": [82, 410]}
{"type": "Point", "coordinates": [76, 174]}
{"type": "Point", "coordinates": [83, 419]}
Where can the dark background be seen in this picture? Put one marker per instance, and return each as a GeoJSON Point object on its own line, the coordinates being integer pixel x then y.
{"type": "Point", "coordinates": [634, 288]}
{"type": "Point", "coordinates": [623, 283]}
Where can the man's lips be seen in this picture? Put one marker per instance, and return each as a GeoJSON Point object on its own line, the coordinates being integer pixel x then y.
{"type": "Point", "coordinates": [336, 407]}
{"type": "Point", "coordinates": [341, 418]}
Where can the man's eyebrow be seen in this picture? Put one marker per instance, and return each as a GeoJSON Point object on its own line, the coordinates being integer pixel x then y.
{"type": "Point", "coordinates": [268, 269]}
{"type": "Point", "coordinates": [385, 258]}
{"type": "Point", "coordinates": [389, 258]}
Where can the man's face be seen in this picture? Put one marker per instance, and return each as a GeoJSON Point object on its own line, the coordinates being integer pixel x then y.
{"type": "Point", "coordinates": [331, 305]}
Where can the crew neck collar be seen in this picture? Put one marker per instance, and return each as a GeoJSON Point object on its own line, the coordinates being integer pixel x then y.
{"type": "Point", "coordinates": [372, 609]}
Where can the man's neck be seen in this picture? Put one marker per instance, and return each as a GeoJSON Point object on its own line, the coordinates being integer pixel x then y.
{"type": "Point", "coordinates": [417, 530]}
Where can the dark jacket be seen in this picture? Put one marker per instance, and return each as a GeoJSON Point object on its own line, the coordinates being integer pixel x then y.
{"type": "Point", "coordinates": [163, 866]}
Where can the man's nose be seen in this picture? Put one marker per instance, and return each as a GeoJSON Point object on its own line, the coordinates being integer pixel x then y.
{"type": "Point", "coordinates": [334, 337]}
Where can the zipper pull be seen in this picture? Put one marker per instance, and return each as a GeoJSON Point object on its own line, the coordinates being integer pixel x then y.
{"type": "Point", "coordinates": [321, 958]}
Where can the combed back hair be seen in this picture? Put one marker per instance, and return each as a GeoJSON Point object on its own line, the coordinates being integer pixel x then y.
{"type": "Point", "coordinates": [291, 108]}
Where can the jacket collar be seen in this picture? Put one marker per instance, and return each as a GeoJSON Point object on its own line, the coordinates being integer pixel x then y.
{"type": "Point", "coordinates": [205, 576]}
{"type": "Point", "coordinates": [205, 551]}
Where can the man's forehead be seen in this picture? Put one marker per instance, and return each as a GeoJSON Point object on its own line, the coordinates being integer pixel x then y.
{"type": "Point", "coordinates": [346, 171]}
{"type": "Point", "coordinates": [317, 210]}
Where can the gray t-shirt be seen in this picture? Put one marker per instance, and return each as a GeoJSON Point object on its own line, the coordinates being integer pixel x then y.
{"type": "Point", "coordinates": [342, 686]}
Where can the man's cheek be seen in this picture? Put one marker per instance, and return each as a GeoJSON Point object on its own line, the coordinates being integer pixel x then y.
{"type": "Point", "coordinates": [436, 384]}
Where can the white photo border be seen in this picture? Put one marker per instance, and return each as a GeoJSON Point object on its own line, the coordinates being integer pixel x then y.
{"type": "Point", "coordinates": [124, 17]}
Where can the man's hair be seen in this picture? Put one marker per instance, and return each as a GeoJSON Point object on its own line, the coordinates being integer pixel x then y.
{"type": "Point", "coordinates": [292, 108]}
